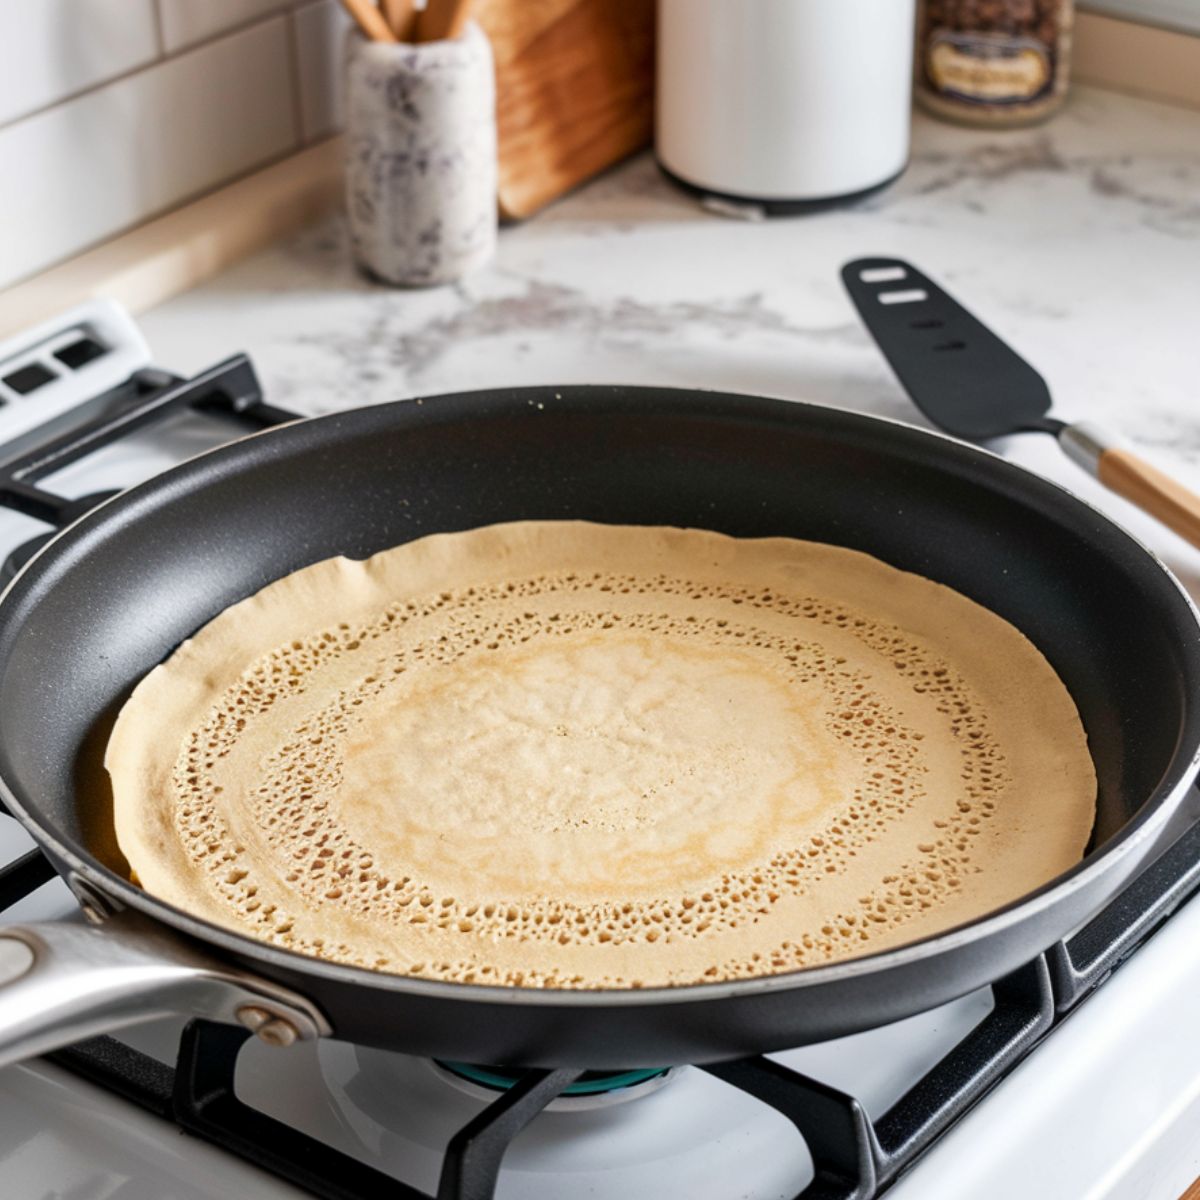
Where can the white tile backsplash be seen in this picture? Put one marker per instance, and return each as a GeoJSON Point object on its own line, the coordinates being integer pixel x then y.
{"type": "Point", "coordinates": [112, 111]}
{"type": "Point", "coordinates": [185, 22]}
{"type": "Point", "coordinates": [320, 33]}
{"type": "Point", "coordinates": [87, 168]}
{"type": "Point", "coordinates": [50, 49]}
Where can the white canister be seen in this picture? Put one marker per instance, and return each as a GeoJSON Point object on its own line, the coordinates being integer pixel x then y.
{"type": "Point", "coordinates": [421, 156]}
{"type": "Point", "coordinates": [784, 105]}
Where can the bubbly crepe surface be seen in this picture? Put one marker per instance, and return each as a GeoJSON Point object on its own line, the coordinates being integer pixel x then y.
{"type": "Point", "coordinates": [563, 754]}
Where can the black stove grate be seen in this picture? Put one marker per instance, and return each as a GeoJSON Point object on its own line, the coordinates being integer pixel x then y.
{"type": "Point", "coordinates": [854, 1157]}
{"type": "Point", "coordinates": [149, 396]}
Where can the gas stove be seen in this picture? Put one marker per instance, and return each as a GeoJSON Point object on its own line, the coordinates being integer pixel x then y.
{"type": "Point", "coordinates": [1078, 1075]}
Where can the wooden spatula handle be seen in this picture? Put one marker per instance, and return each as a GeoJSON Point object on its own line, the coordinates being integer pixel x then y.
{"type": "Point", "coordinates": [1163, 497]}
{"type": "Point", "coordinates": [1125, 473]}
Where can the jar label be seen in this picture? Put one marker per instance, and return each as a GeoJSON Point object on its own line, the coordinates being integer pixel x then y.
{"type": "Point", "coordinates": [988, 68]}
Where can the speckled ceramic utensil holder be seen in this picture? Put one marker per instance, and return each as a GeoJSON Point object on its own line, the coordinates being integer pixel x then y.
{"type": "Point", "coordinates": [421, 156]}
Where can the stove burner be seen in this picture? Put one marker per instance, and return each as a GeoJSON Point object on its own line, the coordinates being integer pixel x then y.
{"type": "Point", "coordinates": [593, 1089]}
{"type": "Point", "coordinates": [590, 1083]}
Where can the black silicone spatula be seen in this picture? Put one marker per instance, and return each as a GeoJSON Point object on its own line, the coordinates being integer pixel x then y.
{"type": "Point", "coordinates": [965, 379]}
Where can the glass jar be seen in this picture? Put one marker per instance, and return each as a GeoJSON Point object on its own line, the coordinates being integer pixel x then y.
{"type": "Point", "coordinates": [993, 62]}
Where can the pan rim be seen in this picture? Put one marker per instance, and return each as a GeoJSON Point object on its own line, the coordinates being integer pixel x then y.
{"type": "Point", "coordinates": [1153, 813]}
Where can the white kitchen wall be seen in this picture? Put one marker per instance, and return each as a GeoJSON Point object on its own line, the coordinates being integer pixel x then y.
{"type": "Point", "coordinates": [1183, 15]}
{"type": "Point", "coordinates": [113, 111]}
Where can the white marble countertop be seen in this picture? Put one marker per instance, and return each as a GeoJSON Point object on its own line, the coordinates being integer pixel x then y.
{"type": "Point", "coordinates": [1078, 242]}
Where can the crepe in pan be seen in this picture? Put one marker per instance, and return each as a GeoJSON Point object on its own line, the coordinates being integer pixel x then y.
{"type": "Point", "coordinates": [563, 754]}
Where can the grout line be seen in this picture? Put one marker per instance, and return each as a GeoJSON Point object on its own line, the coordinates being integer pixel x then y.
{"type": "Point", "coordinates": [67, 97]}
{"type": "Point", "coordinates": [149, 65]}
{"type": "Point", "coordinates": [293, 36]}
{"type": "Point", "coordinates": [160, 35]}
{"type": "Point", "coordinates": [282, 7]}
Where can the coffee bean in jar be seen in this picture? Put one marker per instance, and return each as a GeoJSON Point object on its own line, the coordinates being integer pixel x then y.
{"type": "Point", "coordinates": [993, 62]}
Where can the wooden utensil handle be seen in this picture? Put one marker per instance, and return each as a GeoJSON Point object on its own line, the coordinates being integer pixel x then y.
{"type": "Point", "coordinates": [370, 20]}
{"type": "Point", "coordinates": [401, 15]}
{"type": "Point", "coordinates": [442, 20]}
{"type": "Point", "coordinates": [1150, 489]}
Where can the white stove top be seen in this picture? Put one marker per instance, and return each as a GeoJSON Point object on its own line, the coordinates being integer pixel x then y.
{"type": "Point", "coordinates": [1108, 1108]}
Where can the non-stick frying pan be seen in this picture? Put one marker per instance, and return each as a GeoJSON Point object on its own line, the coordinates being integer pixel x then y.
{"type": "Point", "coordinates": [118, 590]}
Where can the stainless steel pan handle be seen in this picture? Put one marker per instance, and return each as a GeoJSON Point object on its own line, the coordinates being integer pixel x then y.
{"type": "Point", "coordinates": [64, 981]}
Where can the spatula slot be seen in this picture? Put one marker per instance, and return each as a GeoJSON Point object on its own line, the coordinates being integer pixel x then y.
{"type": "Point", "coordinates": [975, 387]}
{"type": "Point", "coordinates": [882, 274]}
